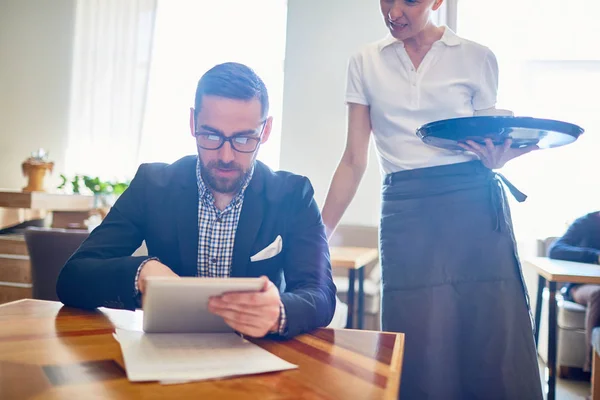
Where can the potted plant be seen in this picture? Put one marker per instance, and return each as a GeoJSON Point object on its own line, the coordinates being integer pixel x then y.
{"type": "Point", "coordinates": [105, 192]}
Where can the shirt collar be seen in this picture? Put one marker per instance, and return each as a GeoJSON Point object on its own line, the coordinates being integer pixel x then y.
{"type": "Point", "coordinates": [449, 38]}
{"type": "Point", "coordinates": [203, 190]}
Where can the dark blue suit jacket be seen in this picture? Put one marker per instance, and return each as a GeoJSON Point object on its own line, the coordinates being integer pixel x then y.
{"type": "Point", "coordinates": [161, 207]}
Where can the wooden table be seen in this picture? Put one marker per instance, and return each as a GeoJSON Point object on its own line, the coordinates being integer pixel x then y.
{"type": "Point", "coordinates": [595, 367]}
{"type": "Point", "coordinates": [48, 351]}
{"type": "Point", "coordinates": [68, 210]}
{"type": "Point", "coordinates": [550, 272]}
{"type": "Point", "coordinates": [354, 259]}
{"type": "Point", "coordinates": [45, 201]}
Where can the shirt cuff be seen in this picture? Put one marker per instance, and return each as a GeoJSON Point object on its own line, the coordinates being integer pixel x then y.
{"type": "Point", "coordinates": [136, 287]}
{"type": "Point", "coordinates": [356, 99]}
{"type": "Point", "coordinates": [282, 320]}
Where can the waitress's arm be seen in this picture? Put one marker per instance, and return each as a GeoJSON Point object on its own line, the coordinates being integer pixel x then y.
{"type": "Point", "coordinates": [351, 168]}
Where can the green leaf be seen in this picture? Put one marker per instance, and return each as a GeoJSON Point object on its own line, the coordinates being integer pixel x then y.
{"type": "Point", "coordinates": [94, 184]}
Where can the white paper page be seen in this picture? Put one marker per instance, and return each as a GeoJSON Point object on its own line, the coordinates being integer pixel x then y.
{"type": "Point", "coordinates": [176, 357]}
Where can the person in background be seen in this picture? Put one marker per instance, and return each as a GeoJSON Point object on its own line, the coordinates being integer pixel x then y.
{"type": "Point", "coordinates": [581, 243]}
{"type": "Point", "coordinates": [451, 278]}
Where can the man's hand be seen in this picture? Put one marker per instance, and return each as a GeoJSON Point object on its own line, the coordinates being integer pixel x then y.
{"type": "Point", "coordinates": [495, 157]}
{"type": "Point", "coordinates": [153, 268]}
{"type": "Point", "coordinates": [250, 313]}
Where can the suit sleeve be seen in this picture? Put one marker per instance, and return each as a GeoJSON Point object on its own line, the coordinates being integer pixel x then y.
{"type": "Point", "coordinates": [102, 271]}
{"type": "Point", "coordinates": [569, 247]}
{"type": "Point", "coordinates": [309, 298]}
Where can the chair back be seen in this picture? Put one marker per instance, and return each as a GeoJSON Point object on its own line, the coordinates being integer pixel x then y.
{"type": "Point", "coordinates": [49, 249]}
{"type": "Point", "coordinates": [543, 245]}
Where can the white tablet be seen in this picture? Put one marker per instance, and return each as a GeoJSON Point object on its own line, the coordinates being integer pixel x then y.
{"type": "Point", "coordinates": [180, 305]}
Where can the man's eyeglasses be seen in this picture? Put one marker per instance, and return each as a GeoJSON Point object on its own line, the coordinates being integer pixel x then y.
{"type": "Point", "coordinates": [241, 143]}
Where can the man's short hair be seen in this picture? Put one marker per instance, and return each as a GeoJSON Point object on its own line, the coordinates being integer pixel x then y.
{"type": "Point", "coordinates": [232, 81]}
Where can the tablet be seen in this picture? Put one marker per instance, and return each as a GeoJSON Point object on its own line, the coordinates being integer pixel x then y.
{"type": "Point", "coordinates": [180, 305]}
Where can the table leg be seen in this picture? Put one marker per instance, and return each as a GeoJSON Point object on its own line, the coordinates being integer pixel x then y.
{"type": "Point", "coordinates": [595, 376]}
{"type": "Point", "coordinates": [350, 320]}
{"type": "Point", "coordinates": [538, 308]}
{"type": "Point", "coordinates": [552, 339]}
{"type": "Point", "coordinates": [361, 297]}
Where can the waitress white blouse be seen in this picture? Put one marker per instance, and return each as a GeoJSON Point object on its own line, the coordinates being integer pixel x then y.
{"type": "Point", "coordinates": [456, 78]}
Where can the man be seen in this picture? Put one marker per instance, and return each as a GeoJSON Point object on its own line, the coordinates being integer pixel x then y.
{"type": "Point", "coordinates": [209, 216]}
{"type": "Point", "coordinates": [581, 243]}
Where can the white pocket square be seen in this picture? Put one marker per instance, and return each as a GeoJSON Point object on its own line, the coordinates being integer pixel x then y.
{"type": "Point", "coordinates": [270, 251]}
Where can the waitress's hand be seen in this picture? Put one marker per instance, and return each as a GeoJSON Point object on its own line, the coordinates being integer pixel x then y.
{"type": "Point", "coordinates": [495, 157]}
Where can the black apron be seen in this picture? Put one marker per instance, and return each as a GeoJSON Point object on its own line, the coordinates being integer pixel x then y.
{"type": "Point", "coordinates": [452, 284]}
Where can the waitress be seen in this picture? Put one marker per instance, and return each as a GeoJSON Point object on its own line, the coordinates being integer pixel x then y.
{"type": "Point", "coordinates": [451, 276]}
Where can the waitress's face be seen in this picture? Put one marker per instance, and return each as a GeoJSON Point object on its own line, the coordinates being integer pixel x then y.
{"type": "Point", "coordinates": [406, 18]}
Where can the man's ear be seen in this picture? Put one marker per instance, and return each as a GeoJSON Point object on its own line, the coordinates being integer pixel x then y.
{"type": "Point", "coordinates": [193, 121]}
{"type": "Point", "coordinates": [267, 131]}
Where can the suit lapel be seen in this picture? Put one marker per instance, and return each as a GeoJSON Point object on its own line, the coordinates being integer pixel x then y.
{"type": "Point", "coordinates": [186, 199]}
{"type": "Point", "coordinates": [249, 224]}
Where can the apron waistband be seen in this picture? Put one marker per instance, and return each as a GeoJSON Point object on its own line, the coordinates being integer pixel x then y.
{"type": "Point", "coordinates": [477, 170]}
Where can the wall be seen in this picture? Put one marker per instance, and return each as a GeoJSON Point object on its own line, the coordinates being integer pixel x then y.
{"type": "Point", "coordinates": [35, 69]}
{"type": "Point", "coordinates": [321, 36]}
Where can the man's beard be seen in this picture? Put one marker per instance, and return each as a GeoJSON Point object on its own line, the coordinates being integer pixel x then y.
{"type": "Point", "coordinates": [219, 184]}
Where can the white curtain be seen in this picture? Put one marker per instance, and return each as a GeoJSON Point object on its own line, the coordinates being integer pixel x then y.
{"type": "Point", "coordinates": [111, 59]}
{"type": "Point", "coordinates": [190, 38]}
{"type": "Point", "coordinates": [549, 61]}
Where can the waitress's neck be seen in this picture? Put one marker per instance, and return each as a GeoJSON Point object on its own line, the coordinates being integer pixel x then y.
{"type": "Point", "coordinates": [425, 38]}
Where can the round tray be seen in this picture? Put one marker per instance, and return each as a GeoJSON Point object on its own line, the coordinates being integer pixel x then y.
{"type": "Point", "coordinates": [524, 131]}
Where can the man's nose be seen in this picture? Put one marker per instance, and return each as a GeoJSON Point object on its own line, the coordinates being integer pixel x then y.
{"type": "Point", "coordinates": [226, 153]}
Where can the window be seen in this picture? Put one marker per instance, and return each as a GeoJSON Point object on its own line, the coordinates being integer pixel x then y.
{"type": "Point", "coordinates": [549, 60]}
{"type": "Point", "coordinates": [190, 38]}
